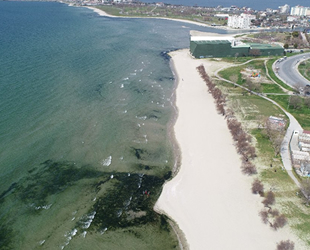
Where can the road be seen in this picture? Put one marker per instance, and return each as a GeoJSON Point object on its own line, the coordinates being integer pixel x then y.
{"type": "Point", "coordinates": [288, 70]}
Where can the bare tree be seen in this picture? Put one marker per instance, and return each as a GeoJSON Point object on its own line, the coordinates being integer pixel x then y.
{"type": "Point", "coordinates": [295, 101]}
{"type": "Point", "coordinates": [307, 102]}
{"type": "Point", "coordinates": [275, 134]}
{"type": "Point", "coordinates": [248, 168]}
{"type": "Point", "coordinates": [269, 199]}
{"type": "Point", "coordinates": [280, 221]}
{"type": "Point", "coordinates": [274, 212]}
{"type": "Point", "coordinates": [253, 86]}
{"type": "Point", "coordinates": [285, 245]}
{"type": "Point", "coordinates": [264, 215]}
{"type": "Point", "coordinates": [257, 187]}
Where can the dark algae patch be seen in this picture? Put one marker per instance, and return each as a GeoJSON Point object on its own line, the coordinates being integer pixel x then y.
{"type": "Point", "coordinates": [128, 203]}
{"type": "Point", "coordinates": [52, 178]}
{"type": "Point", "coordinates": [109, 204]}
{"type": "Point", "coordinates": [6, 237]}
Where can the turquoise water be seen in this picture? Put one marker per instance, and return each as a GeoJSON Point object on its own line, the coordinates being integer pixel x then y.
{"type": "Point", "coordinates": [85, 107]}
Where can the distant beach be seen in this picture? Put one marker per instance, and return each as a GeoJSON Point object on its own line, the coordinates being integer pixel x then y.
{"type": "Point", "coordinates": [103, 13]}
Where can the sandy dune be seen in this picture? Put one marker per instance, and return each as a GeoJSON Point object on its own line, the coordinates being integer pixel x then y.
{"type": "Point", "coordinates": [210, 199]}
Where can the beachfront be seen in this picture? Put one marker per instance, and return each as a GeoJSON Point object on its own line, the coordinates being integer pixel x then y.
{"type": "Point", "coordinates": [210, 199]}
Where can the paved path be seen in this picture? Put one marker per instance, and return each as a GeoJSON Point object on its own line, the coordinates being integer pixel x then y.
{"type": "Point", "coordinates": [294, 125]}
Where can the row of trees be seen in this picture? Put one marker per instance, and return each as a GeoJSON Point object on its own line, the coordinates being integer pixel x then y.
{"type": "Point", "coordinates": [219, 97]}
{"type": "Point", "coordinates": [247, 151]}
{"type": "Point", "coordinates": [241, 138]}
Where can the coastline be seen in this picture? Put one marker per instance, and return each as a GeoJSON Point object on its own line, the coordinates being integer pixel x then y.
{"type": "Point", "coordinates": [103, 13]}
{"type": "Point", "coordinates": [230, 221]}
{"type": "Point", "coordinates": [218, 209]}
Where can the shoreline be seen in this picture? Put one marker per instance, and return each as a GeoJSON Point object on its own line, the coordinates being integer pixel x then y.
{"type": "Point", "coordinates": [211, 215]}
{"type": "Point", "coordinates": [103, 13]}
{"type": "Point", "coordinates": [184, 190]}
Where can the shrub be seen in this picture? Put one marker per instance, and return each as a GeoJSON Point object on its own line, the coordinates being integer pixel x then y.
{"type": "Point", "coordinates": [257, 187]}
{"type": "Point", "coordinates": [280, 221]}
{"type": "Point", "coordinates": [269, 199]}
{"type": "Point", "coordinates": [285, 245]}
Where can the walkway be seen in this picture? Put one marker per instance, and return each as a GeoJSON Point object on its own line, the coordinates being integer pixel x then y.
{"type": "Point", "coordinates": [294, 125]}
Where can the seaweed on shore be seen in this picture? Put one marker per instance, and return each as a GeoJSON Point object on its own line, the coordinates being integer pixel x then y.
{"type": "Point", "coordinates": [128, 203]}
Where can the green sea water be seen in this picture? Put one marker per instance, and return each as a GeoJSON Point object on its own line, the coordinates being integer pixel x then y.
{"type": "Point", "coordinates": [86, 103]}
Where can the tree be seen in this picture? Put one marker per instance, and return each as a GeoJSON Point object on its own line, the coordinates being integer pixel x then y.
{"type": "Point", "coordinates": [285, 46]}
{"type": "Point", "coordinates": [257, 187]}
{"type": "Point", "coordinates": [295, 101]}
{"type": "Point", "coordinates": [264, 215]}
{"type": "Point", "coordinates": [253, 86]}
{"type": "Point", "coordinates": [295, 33]}
{"type": "Point", "coordinates": [285, 245]}
{"type": "Point", "coordinates": [248, 168]}
{"type": "Point", "coordinates": [269, 199]}
{"type": "Point", "coordinates": [307, 102]}
{"type": "Point", "coordinates": [280, 221]}
{"type": "Point", "coordinates": [275, 135]}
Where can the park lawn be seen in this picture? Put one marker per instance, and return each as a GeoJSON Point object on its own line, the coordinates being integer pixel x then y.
{"type": "Point", "coordinates": [236, 70]}
{"type": "Point", "coordinates": [251, 108]}
{"type": "Point", "coordinates": [271, 88]}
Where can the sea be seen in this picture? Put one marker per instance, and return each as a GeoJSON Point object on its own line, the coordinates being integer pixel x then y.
{"type": "Point", "coordinates": [86, 116]}
{"type": "Point", "coordinates": [256, 5]}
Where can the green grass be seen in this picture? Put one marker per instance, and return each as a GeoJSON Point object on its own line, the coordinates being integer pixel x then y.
{"type": "Point", "coordinates": [304, 69]}
{"type": "Point", "coordinates": [271, 88]}
{"type": "Point", "coordinates": [253, 109]}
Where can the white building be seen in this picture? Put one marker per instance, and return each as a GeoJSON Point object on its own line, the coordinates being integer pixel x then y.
{"type": "Point", "coordinates": [285, 9]}
{"type": "Point", "coordinates": [300, 11]}
{"type": "Point", "coordinates": [240, 22]}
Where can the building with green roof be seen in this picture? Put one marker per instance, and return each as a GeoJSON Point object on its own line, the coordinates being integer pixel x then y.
{"type": "Point", "coordinates": [205, 48]}
{"type": "Point", "coordinates": [259, 49]}
{"type": "Point", "coordinates": [211, 48]}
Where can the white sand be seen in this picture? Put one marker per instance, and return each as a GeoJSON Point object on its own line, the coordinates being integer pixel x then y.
{"type": "Point", "coordinates": [210, 199]}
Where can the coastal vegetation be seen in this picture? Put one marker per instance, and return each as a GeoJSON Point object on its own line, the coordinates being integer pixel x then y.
{"type": "Point", "coordinates": [202, 15]}
{"type": "Point", "coordinates": [269, 214]}
{"type": "Point", "coordinates": [289, 205]}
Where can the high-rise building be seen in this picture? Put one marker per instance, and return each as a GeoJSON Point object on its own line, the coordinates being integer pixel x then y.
{"type": "Point", "coordinates": [300, 11]}
{"type": "Point", "coordinates": [240, 22]}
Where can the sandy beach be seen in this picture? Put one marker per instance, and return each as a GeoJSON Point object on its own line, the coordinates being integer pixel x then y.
{"type": "Point", "coordinates": [103, 13]}
{"type": "Point", "coordinates": [210, 199]}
